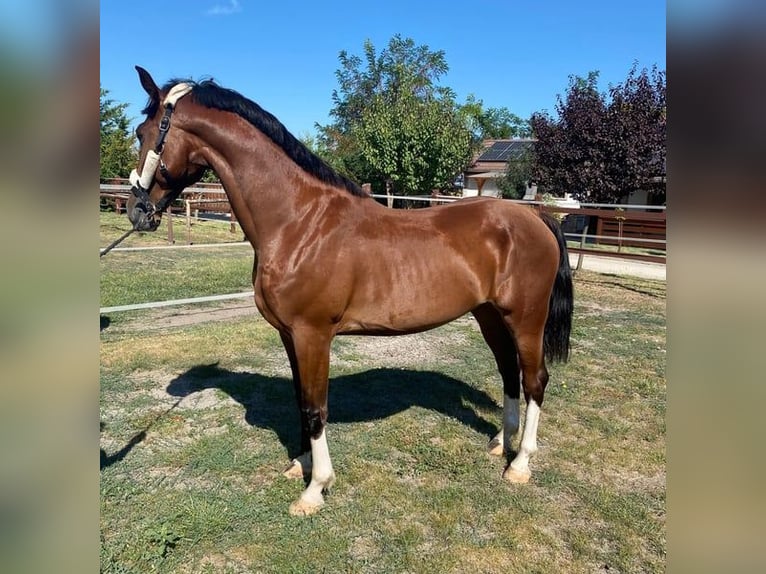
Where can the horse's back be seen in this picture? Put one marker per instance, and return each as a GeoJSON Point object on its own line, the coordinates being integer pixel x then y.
{"type": "Point", "coordinates": [476, 228]}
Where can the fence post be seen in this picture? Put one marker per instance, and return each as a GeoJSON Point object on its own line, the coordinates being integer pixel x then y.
{"type": "Point", "coordinates": [599, 229]}
{"type": "Point", "coordinates": [620, 217]}
{"type": "Point", "coordinates": [188, 222]}
{"type": "Point", "coordinates": [581, 255]}
{"type": "Point", "coordinates": [169, 215]}
{"type": "Point", "coordinates": [390, 193]}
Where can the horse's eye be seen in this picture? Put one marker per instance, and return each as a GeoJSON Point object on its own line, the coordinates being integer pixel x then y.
{"type": "Point", "coordinates": [139, 136]}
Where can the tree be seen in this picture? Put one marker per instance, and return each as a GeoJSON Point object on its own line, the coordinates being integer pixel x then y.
{"type": "Point", "coordinates": [389, 103]}
{"type": "Point", "coordinates": [417, 144]}
{"type": "Point", "coordinates": [210, 176]}
{"type": "Point", "coordinates": [492, 123]}
{"type": "Point", "coordinates": [518, 174]}
{"type": "Point", "coordinates": [637, 125]}
{"type": "Point", "coordinates": [601, 149]}
{"type": "Point", "coordinates": [568, 151]}
{"type": "Point", "coordinates": [118, 155]}
{"type": "Point", "coordinates": [399, 63]}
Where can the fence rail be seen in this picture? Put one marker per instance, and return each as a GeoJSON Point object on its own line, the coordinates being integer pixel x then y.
{"type": "Point", "coordinates": [200, 199]}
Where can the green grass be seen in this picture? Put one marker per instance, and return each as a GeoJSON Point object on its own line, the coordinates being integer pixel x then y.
{"type": "Point", "coordinates": [158, 275]}
{"type": "Point", "coordinates": [145, 276]}
{"type": "Point", "coordinates": [649, 249]}
{"type": "Point", "coordinates": [196, 485]}
{"type": "Point", "coordinates": [113, 225]}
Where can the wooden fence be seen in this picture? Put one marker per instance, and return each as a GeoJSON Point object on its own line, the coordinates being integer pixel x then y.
{"type": "Point", "coordinates": [198, 202]}
{"type": "Point", "coordinates": [619, 226]}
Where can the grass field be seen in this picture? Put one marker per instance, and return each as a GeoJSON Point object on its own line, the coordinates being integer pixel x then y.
{"type": "Point", "coordinates": [202, 231]}
{"type": "Point", "coordinates": [198, 420]}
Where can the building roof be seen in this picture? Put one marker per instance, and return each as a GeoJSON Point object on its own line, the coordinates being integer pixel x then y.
{"type": "Point", "coordinates": [495, 155]}
{"type": "Point", "coordinates": [504, 150]}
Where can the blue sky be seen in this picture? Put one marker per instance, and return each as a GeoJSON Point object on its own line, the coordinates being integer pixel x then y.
{"type": "Point", "coordinates": [509, 53]}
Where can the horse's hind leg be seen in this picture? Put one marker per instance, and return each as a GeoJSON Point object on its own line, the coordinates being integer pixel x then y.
{"type": "Point", "coordinates": [534, 379]}
{"type": "Point", "coordinates": [500, 341]}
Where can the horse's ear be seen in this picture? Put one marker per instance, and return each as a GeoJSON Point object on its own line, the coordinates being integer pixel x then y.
{"type": "Point", "coordinates": [148, 84]}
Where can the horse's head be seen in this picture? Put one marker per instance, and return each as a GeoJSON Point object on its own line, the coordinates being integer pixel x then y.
{"type": "Point", "coordinates": [166, 158]}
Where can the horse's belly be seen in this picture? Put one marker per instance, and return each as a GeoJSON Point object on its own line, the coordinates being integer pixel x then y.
{"type": "Point", "coordinates": [406, 313]}
{"type": "Point", "coordinates": [420, 286]}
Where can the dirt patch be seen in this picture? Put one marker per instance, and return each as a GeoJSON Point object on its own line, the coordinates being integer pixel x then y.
{"type": "Point", "coordinates": [592, 309]}
{"type": "Point", "coordinates": [220, 563]}
{"type": "Point", "coordinates": [191, 317]}
{"type": "Point", "coordinates": [401, 351]}
{"type": "Point", "coordinates": [170, 317]}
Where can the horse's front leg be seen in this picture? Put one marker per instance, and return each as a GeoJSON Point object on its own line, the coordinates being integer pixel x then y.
{"type": "Point", "coordinates": [300, 465]}
{"type": "Point", "coordinates": [312, 358]}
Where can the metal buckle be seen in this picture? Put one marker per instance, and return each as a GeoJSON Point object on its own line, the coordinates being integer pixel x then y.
{"type": "Point", "coordinates": [164, 127]}
{"type": "Point", "coordinates": [165, 122]}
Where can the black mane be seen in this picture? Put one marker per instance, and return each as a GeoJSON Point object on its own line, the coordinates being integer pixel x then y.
{"type": "Point", "coordinates": [209, 94]}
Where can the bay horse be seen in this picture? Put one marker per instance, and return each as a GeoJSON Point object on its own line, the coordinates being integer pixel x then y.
{"type": "Point", "coordinates": [330, 260]}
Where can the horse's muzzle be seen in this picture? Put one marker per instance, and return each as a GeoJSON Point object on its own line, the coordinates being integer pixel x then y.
{"type": "Point", "coordinates": [141, 216]}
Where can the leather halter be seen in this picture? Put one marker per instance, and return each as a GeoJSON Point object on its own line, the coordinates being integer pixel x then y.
{"type": "Point", "coordinates": [142, 183]}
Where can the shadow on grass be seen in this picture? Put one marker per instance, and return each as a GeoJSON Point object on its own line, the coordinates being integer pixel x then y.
{"type": "Point", "coordinates": [362, 397]}
{"type": "Point", "coordinates": [107, 460]}
{"type": "Point", "coordinates": [623, 283]}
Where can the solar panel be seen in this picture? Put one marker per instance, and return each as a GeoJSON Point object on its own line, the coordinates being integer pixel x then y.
{"type": "Point", "coordinates": [505, 150]}
{"type": "Point", "coordinates": [495, 152]}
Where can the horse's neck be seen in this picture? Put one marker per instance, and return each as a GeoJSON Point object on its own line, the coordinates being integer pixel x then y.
{"type": "Point", "coordinates": [264, 186]}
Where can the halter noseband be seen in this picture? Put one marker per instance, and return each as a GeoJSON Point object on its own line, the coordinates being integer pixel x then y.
{"type": "Point", "coordinates": [142, 183]}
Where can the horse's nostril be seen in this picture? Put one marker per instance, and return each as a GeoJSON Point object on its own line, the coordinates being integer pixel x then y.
{"type": "Point", "coordinates": [138, 217]}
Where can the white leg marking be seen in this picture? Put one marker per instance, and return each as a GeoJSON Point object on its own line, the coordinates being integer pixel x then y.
{"type": "Point", "coordinates": [322, 478]}
{"type": "Point", "coordinates": [518, 471]}
{"type": "Point", "coordinates": [321, 471]}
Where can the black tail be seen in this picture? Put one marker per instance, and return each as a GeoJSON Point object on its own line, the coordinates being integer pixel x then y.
{"type": "Point", "coordinates": [559, 323]}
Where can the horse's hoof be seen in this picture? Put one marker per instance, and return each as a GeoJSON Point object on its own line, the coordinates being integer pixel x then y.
{"type": "Point", "coordinates": [517, 476]}
{"type": "Point", "coordinates": [495, 448]}
{"type": "Point", "coordinates": [295, 470]}
{"type": "Point", "coordinates": [305, 508]}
